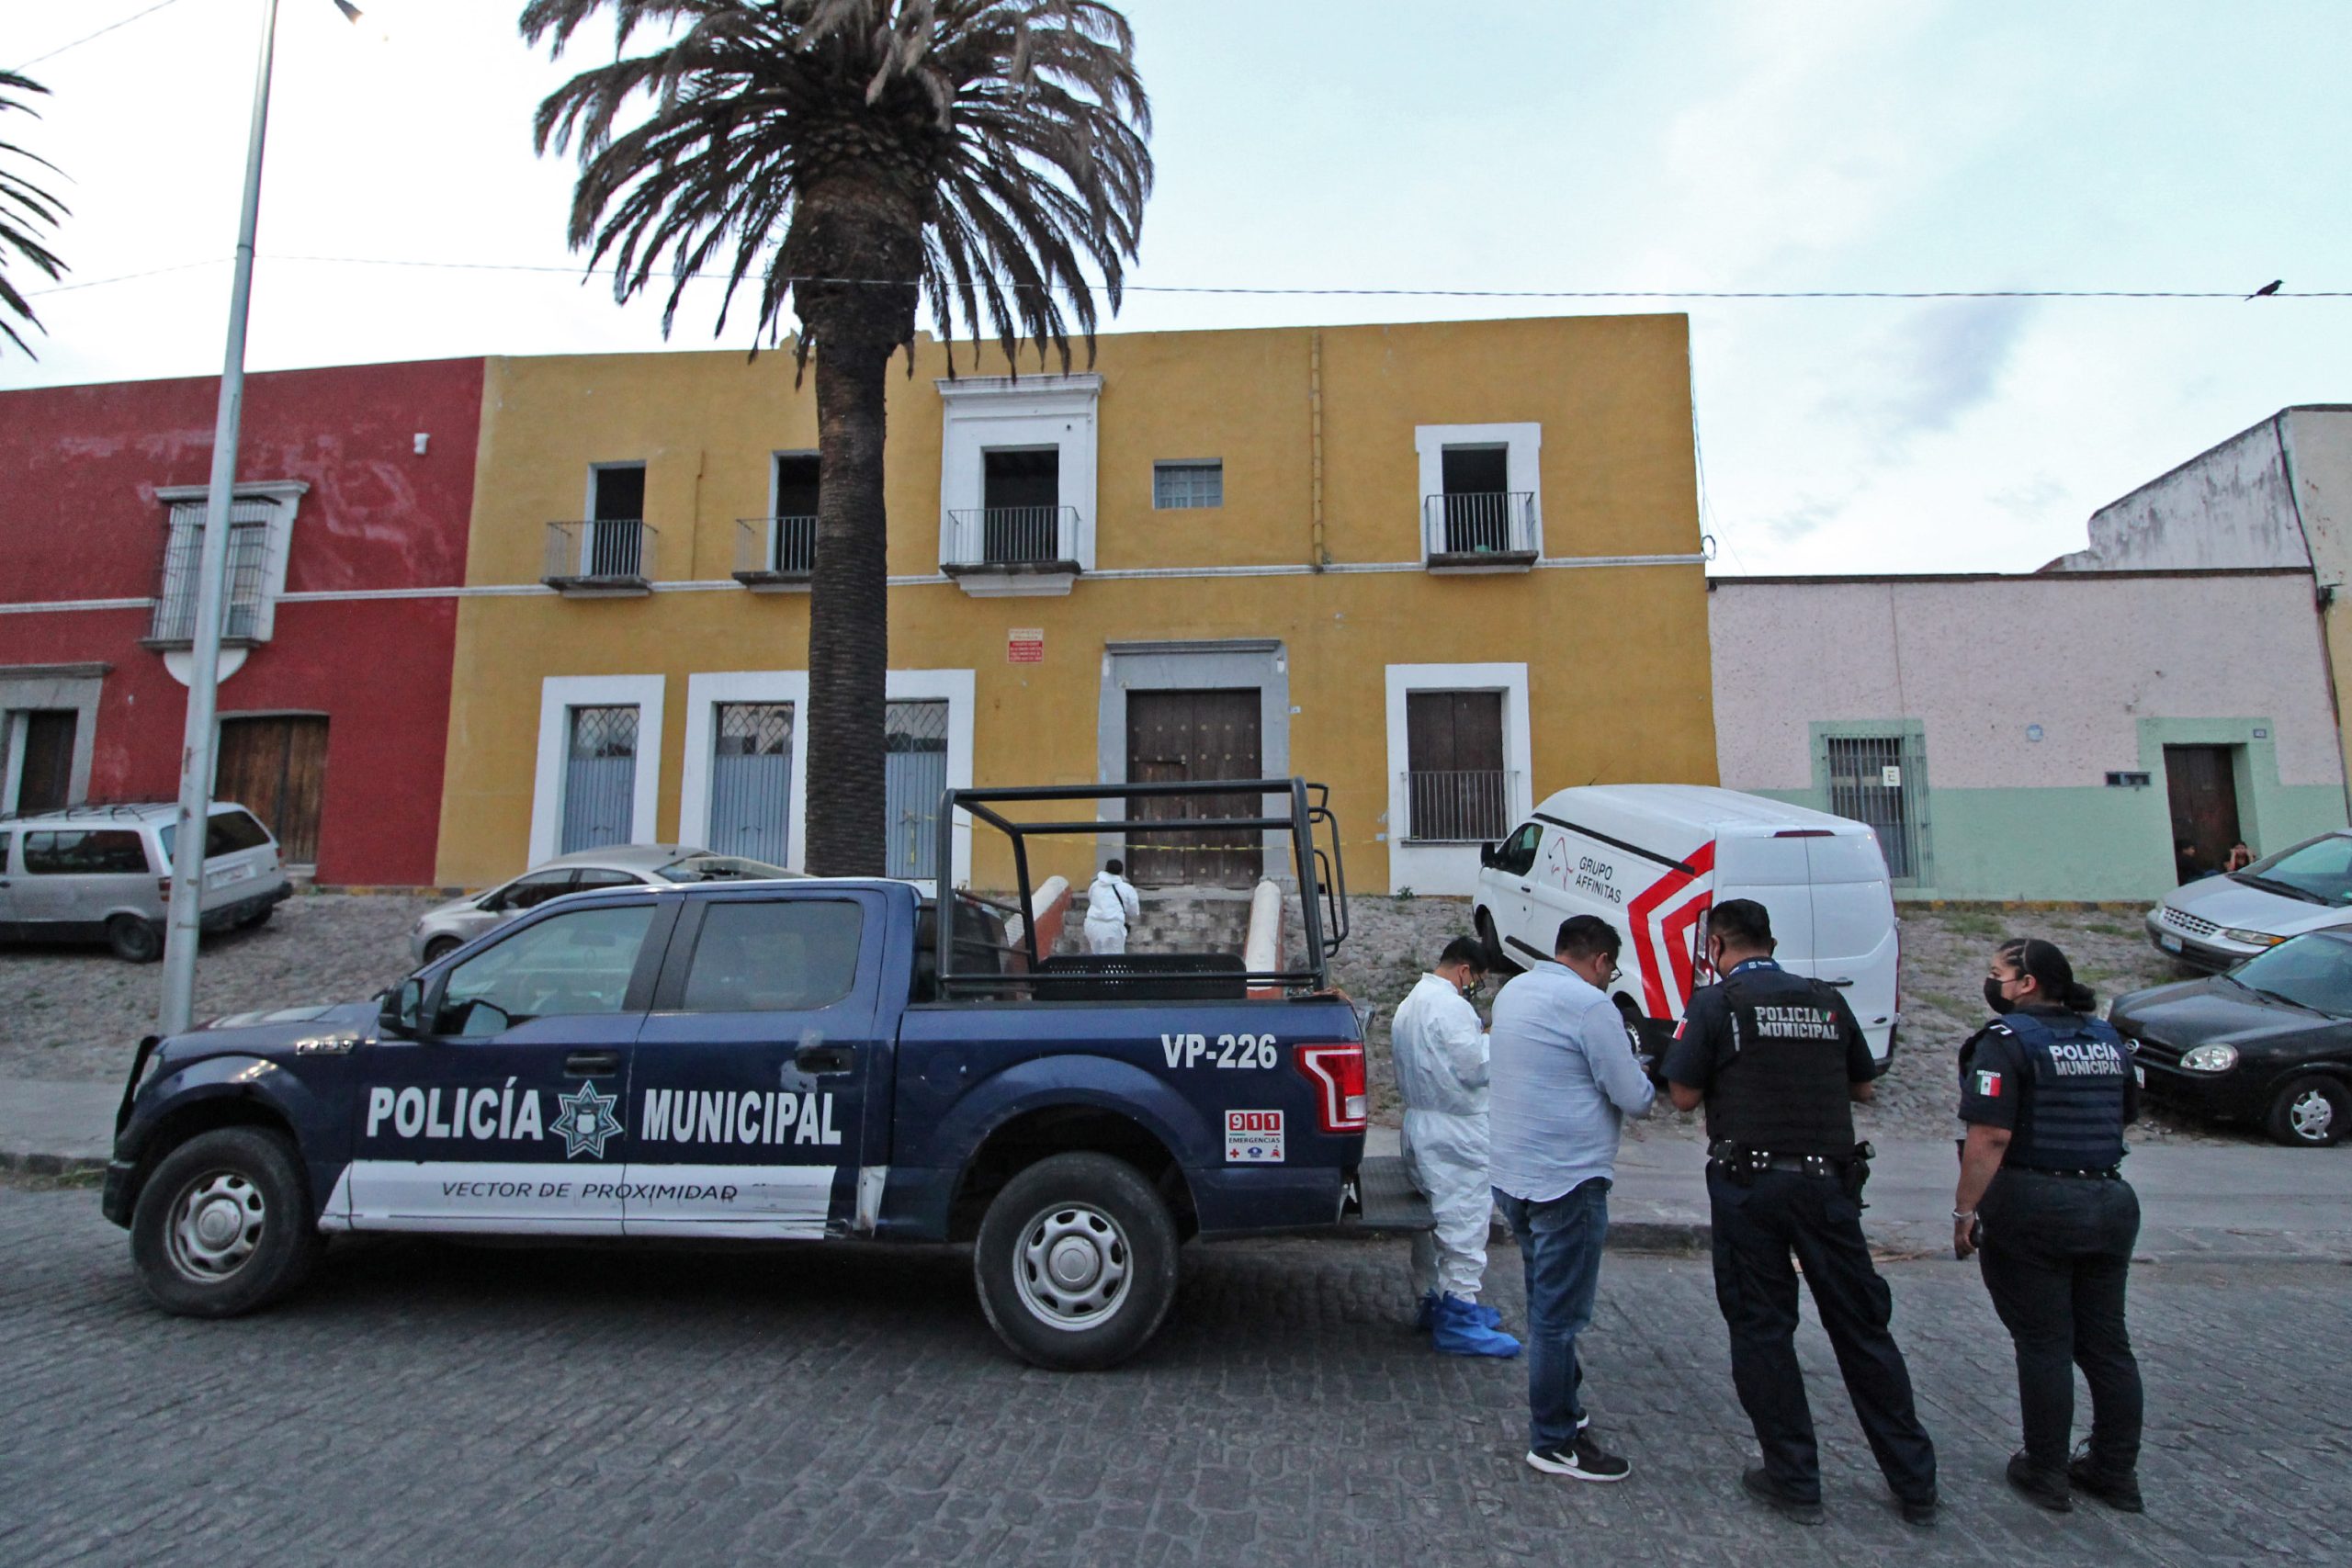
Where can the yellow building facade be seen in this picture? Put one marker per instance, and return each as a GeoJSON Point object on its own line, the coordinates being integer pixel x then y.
{"type": "Point", "coordinates": [1445, 569]}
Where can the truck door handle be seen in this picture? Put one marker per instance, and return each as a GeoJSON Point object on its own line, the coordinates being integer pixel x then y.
{"type": "Point", "coordinates": [1841, 984]}
{"type": "Point", "coordinates": [824, 1058]}
{"type": "Point", "coordinates": [1523, 888]}
{"type": "Point", "coordinates": [593, 1064]}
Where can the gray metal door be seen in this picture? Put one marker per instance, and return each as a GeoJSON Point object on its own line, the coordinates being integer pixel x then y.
{"type": "Point", "coordinates": [751, 781]}
{"type": "Point", "coordinates": [914, 776]}
{"type": "Point", "coordinates": [600, 778]}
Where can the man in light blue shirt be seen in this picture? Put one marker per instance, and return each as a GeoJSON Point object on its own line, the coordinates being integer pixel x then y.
{"type": "Point", "coordinates": [1562, 1079]}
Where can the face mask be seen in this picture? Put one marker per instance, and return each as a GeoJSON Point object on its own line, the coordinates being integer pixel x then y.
{"type": "Point", "coordinates": [1993, 997]}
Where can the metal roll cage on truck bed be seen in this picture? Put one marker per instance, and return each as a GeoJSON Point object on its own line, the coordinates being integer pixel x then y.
{"type": "Point", "coordinates": [1316, 867]}
{"type": "Point", "coordinates": [825, 1059]}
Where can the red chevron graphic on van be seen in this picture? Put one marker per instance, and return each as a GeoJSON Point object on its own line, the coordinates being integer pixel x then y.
{"type": "Point", "coordinates": [1662, 945]}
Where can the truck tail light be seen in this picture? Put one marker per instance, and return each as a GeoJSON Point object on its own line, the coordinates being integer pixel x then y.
{"type": "Point", "coordinates": [164, 888]}
{"type": "Point", "coordinates": [1336, 1070]}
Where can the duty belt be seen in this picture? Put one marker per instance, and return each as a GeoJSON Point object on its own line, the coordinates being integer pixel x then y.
{"type": "Point", "coordinates": [1765, 1159]}
{"type": "Point", "coordinates": [2105, 1173]}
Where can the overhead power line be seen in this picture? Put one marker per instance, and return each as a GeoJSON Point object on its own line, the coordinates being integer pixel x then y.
{"type": "Point", "coordinates": [102, 32]}
{"type": "Point", "coordinates": [1326, 291]}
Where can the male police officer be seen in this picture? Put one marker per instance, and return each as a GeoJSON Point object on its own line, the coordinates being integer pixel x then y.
{"type": "Point", "coordinates": [1777, 1059]}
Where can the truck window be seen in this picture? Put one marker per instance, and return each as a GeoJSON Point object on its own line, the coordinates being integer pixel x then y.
{"type": "Point", "coordinates": [784, 956]}
{"type": "Point", "coordinates": [567, 965]}
{"type": "Point", "coordinates": [91, 851]}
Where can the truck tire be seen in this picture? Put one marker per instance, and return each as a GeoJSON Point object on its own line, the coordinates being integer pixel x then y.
{"type": "Point", "coordinates": [224, 1226]}
{"type": "Point", "coordinates": [134, 940]}
{"type": "Point", "coordinates": [1076, 1263]}
{"type": "Point", "coordinates": [1497, 961]}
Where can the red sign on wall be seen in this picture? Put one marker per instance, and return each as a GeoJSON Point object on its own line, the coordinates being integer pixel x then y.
{"type": "Point", "coordinates": [1025, 645]}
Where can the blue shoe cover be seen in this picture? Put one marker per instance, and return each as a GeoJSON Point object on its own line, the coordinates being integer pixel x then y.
{"type": "Point", "coordinates": [1426, 1314]}
{"type": "Point", "coordinates": [1458, 1331]}
{"type": "Point", "coordinates": [1487, 1315]}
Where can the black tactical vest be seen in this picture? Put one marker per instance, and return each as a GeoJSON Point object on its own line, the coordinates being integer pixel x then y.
{"type": "Point", "coordinates": [1785, 1089]}
{"type": "Point", "coordinates": [2070, 1115]}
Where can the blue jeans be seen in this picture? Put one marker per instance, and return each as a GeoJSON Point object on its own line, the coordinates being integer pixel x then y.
{"type": "Point", "coordinates": [1559, 1246]}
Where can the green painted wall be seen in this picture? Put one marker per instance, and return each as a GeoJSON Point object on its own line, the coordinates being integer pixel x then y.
{"type": "Point", "coordinates": [2094, 841]}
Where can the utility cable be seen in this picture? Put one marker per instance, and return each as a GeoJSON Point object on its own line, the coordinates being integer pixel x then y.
{"type": "Point", "coordinates": [1332, 292]}
{"type": "Point", "coordinates": [102, 32]}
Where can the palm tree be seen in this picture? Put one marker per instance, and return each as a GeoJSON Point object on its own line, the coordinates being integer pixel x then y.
{"type": "Point", "coordinates": [855, 155]}
{"type": "Point", "coordinates": [24, 206]}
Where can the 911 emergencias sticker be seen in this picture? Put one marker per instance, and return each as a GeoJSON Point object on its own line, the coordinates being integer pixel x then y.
{"type": "Point", "coordinates": [1254, 1137]}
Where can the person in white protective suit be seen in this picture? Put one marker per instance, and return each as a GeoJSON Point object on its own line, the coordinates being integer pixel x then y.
{"type": "Point", "coordinates": [1441, 1056]}
{"type": "Point", "coordinates": [1111, 904]}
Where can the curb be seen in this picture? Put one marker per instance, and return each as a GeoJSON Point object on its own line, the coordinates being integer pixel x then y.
{"type": "Point", "coordinates": [49, 1165]}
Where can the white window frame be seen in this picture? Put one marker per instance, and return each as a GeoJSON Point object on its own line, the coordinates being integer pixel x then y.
{"type": "Point", "coordinates": [559, 694]}
{"type": "Point", "coordinates": [284, 498]}
{"type": "Point", "coordinates": [1523, 465]}
{"type": "Point", "coordinates": [1452, 868]}
{"type": "Point", "coordinates": [980, 413]}
{"type": "Point", "coordinates": [705, 691]}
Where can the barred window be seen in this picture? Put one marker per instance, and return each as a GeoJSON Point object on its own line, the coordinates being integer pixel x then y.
{"type": "Point", "coordinates": [1178, 487]}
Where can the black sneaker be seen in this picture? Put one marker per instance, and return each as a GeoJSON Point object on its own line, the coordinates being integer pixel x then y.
{"type": "Point", "coordinates": [2040, 1487]}
{"type": "Point", "coordinates": [1585, 1459]}
{"type": "Point", "coordinates": [1757, 1484]}
{"type": "Point", "coordinates": [2121, 1493]}
{"type": "Point", "coordinates": [1917, 1512]}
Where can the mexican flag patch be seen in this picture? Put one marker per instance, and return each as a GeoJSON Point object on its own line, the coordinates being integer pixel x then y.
{"type": "Point", "coordinates": [1989, 1085]}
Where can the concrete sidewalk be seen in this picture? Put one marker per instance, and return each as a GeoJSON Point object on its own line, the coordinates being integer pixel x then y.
{"type": "Point", "coordinates": [50, 1127]}
{"type": "Point", "coordinates": [2204, 1200]}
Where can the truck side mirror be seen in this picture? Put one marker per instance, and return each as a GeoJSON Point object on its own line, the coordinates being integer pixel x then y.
{"type": "Point", "coordinates": [1486, 855]}
{"type": "Point", "coordinates": [402, 1017]}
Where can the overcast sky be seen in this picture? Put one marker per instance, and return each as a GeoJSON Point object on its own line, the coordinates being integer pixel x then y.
{"type": "Point", "coordinates": [1556, 144]}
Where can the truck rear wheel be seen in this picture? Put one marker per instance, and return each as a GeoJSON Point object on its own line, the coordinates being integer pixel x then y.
{"type": "Point", "coordinates": [1076, 1263]}
{"type": "Point", "coordinates": [224, 1224]}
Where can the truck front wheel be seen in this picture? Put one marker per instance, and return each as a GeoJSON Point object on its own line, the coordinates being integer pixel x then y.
{"type": "Point", "coordinates": [224, 1224]}
{"type": "Point", "coordinates": [1075, 1262]}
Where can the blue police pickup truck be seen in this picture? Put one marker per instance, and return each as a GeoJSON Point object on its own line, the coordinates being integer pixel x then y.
{"type": "Point", "coordinates": [811, 1059]}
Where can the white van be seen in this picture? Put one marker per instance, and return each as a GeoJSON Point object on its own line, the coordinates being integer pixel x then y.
{"type": "Point", "coordinates": [1652, 858]}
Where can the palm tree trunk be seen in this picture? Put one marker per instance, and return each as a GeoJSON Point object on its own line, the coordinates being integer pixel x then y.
{"type": "Point", "coordinates": [849, 629]}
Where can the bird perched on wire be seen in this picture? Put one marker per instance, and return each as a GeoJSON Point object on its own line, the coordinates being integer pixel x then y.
{"type": "Point", "coordinates": [2269, 289]}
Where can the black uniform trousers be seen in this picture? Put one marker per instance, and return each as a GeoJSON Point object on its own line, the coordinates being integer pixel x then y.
{"type": "Point", "coordinates": [2057, 1252]}
{"type": "Point", "coordinates": [1757, 1228]}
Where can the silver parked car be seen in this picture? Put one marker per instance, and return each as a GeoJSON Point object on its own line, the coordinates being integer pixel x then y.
{"type": "Point", "coordinates": [622, 866]}
{"type": "Point", "coordinates": [104, 873]}
{"type": "Point", "coordinates": [2221, 920]}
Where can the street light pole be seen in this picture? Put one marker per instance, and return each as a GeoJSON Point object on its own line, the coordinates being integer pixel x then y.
{"type": "Point", "coordinates": [185, 921]}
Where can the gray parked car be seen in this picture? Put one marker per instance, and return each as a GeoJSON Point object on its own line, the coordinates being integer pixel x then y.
{"type": "Point", "coordinates": [622, 866]}
{"type": "Point", "coordinates": [104, 873]}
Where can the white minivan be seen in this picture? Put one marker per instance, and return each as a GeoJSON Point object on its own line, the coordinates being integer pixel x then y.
{"type": "Point", "coordinates": [1652, 858]}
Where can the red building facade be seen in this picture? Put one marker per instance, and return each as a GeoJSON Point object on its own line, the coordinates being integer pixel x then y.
{"type": "Point", "coordinates": [347, 547]}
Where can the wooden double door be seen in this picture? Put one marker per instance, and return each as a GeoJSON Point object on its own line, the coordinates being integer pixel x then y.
{"type": "Point", "coordinates": [1180, 737]}
{"type": "Point", "coordinates": [276, 767]}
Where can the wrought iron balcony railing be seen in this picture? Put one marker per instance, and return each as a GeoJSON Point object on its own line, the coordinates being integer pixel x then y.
{"type": "Point", "coordinates": [1496, 525]}
{"type": "Point", "coordinates": [770, 550]}
{"type": "Point", "coordinates": [1458, 806]}
{"type": "Point", "coordinates": [247, 567]}
{"type": "Point", "coordinates": [600, 553]}
{"type": "Point", "coordinates": [1011, 537]}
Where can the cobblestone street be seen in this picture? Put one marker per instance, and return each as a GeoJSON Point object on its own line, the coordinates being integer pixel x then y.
{"type": "Point", "coordinates": [430, 1404]}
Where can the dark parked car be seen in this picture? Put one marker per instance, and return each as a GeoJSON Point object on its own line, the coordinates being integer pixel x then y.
{"type": "Point", "coordinates": [2269, 1042]}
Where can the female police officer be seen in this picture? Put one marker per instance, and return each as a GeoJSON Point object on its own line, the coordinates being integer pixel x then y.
{"type": "Point", "coordinates": [2046, 1090]}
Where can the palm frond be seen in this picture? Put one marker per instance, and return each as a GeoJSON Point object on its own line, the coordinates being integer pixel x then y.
{"type": "Point", "coordinates": [24, 207]}
{"type": "Point", "coordinates": [987, 157]}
